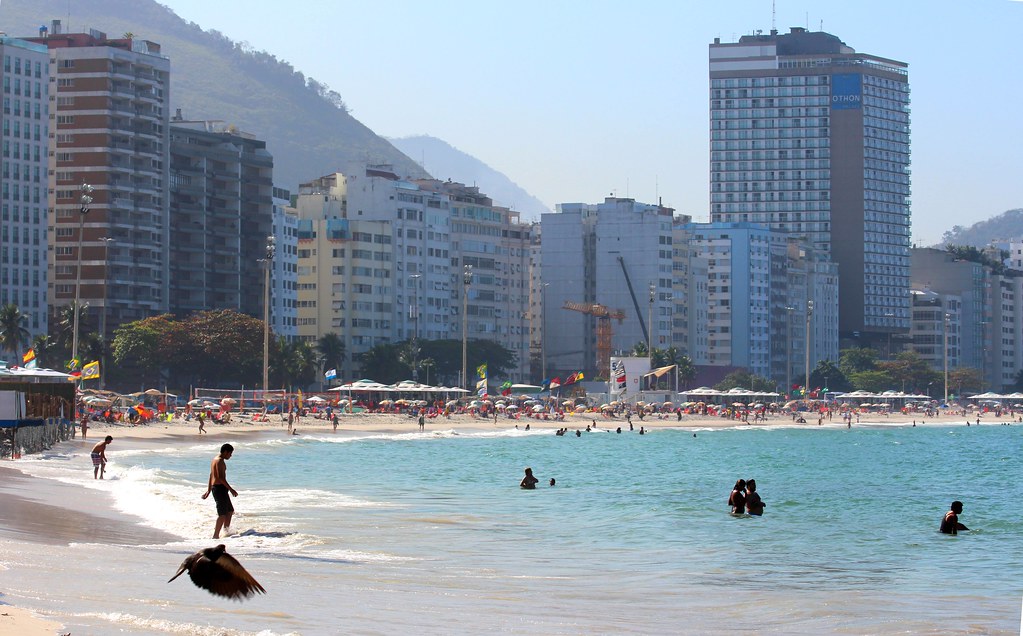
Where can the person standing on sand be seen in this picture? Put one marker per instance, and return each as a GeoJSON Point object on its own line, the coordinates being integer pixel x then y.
{"type": "Point", "coordinates": [950, 524]}
{"type": "Point", "coordinates": [202, 424]}
{"type": "Point", "coordinates": [422, 422]}
{"type": "Point", "coordinates": [333, 421]}
{"type": "Point", "coordinates": [99, 458]}
{"type": "Point", "coordinates": [220, 488]}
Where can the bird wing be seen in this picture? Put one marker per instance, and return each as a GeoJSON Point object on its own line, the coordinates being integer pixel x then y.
{"type": "Point", "coordinates": [225, 577]}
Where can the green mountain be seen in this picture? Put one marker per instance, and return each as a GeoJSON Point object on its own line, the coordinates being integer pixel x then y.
{"type": "Point", "coordinates": [445, 161]}
{"type": "Point", "coordinates": [305, 124]}
{"type": "Point", "coordinates": [1005, 226]}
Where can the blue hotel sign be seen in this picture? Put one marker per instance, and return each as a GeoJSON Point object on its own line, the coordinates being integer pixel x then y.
{"type": "Point", "coordinates": [846, 92]}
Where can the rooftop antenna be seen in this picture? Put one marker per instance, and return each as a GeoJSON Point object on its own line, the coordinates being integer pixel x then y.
{"type": "Point", "coordinates": [773, 27]}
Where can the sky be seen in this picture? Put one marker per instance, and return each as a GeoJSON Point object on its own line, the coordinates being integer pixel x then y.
{"type": "Point", "coordinates": [577, 99]}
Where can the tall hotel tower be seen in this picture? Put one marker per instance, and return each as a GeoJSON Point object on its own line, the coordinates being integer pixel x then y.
{"type": "Point", "coordinates": [809, 136]}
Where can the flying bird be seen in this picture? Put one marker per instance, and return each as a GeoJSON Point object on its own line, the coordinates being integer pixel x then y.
{"type": "Point", "coordinates": [216, 571]}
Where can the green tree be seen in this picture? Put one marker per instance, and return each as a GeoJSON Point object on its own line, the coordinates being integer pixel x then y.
{"type": "Point", "coordinates": [382, 364]}
{"type": "Point", "coordinates": [827, 375]}
{"type": "Point", "coordinates": [873, 381]}
{"type": "Point", "coordinates": [46, 352]}
{"type": "Point", "coordinates": [640, 350]}
{"type": "Point", "coordinates": [857, 360]}
{"type": "Point", "coordinates": [14, 334]}
{"type": "Point", "coordinates": [966, 379]}
{"type": "Point", "coordinates": [64, 326]}
{"type": "Point", "coordinates": [909, 371]}
{"type": "Point", "coordinates": [295, 363]}
{"type": "Point", "coordinates": [743, 379]}
{"type": "Point", "coordinates": [216, 348]}
{"type": "Point", "coordinates": [332, 351]}
{"type": "Point", "coordinates": [141, 345]}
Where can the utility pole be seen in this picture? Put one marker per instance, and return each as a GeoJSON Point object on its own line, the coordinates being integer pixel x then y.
{"type": "Point", "coordinates": [806, 346]}
{"type": "Point", "coordinates": [466, 283]}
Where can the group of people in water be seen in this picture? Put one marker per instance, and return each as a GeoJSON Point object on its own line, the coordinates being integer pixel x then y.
{"type": "Point", "coordinates": [744, 498]}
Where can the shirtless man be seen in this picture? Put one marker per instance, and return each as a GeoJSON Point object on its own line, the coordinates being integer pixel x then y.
{"type": "Point", "coordinates": [528, 481]}
{"type": "Point", "coordinates": [950, 524]}
{"type": "Point", "coordinates": [737, 498]}
{"type": "Point", "coordinates": [220, 488]}
{"type": "Point", "coordinates": [99, 458]}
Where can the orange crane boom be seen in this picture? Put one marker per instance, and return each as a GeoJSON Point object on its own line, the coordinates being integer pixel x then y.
{"type": "Point", "coordinates": [603, 315]}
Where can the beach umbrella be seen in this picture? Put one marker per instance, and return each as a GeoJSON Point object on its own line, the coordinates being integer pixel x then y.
{"type": "Point", "coordinates": [451, 403]}
{"type": "Point", "coordinates": [227, 401]}
{"type": "Point", "coordinates": [512, 407]}
{"type": "Point", "coordinates": [580, 408]}
{"type": "Point", "coordinates": [604, 407]}
{"type": "Point", "coordinates": [317, 399]}
{"type": "Point", "coordinates": [500, 406]}
{"type": "Point", "coordinates": [196, 402]}
{"type": "Point", "coordinates": [529, 402]}
{"type": "Point", "coordinates": [487, 402]}
{"type": "Point", "coordinates": [474, 404]}
{"type": "Point", "coordinates": [668, 404]}
{"type": "Point", "coordinates": [537, 408]}
{"type": "Point", "coordinates": [386, 401]}
{"type": "Point", "coordinates": [568, 403]}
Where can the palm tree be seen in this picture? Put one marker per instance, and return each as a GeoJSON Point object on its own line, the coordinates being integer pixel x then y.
{"type": "Point", "coordinates": [45, 349]}
{"type": "Point", "coordinates": [66, 323]}
{"type": "Point", "coordinates": [332, 351]}
{"type": "Point", "coordinates": [13, 331]}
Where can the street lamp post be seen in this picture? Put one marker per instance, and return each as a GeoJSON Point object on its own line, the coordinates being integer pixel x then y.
{"type": "Point", "coordinates": [948, 318]}
{"type": "Point", "coordinates": [806, 347]}
{"type": "Point", "coordinates": [788, 349]}
{"type": "Point", "coordinates": [103, 310]}
{"type": "Point", "coordinates": [466, 282]}
{"type": "Point", "coordinates": [650, 322]}
{"type": "Point", "coordinates": [414, 310]}
{"type": "Point", "coordinates": [543, 331]}
{"type": "Point", "coordinates": [890, 327]}
{"type": "Point", "coordinates": [271, 251]}
{"type": "Point", "coordinates": [86, 202]}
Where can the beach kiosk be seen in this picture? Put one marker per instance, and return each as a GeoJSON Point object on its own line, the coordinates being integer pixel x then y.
{"type": "Point", "coordinates": [36, 406]}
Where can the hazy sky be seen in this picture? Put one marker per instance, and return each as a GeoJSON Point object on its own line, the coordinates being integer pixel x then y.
{"type": "Point", "coordinates": [574, 100]}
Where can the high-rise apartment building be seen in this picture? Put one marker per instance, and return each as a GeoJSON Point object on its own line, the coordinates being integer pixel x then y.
{"type": "Point", "coordinates": [617, 254]}
{"type": "Point", "coordinates": [760, 286]}
{"type": "Point", "coordinates": [811, 137]}
{"type": "Point", "coordinates": [108, 125]}
{"type": "Point", "coordinates": [381, 260]}
{"type": "Point", "coordinates": [284, 275]}
{"type": "Point", "coordinates": [23, 181]}
{"type": "Point", "coordinates": [221, 214]}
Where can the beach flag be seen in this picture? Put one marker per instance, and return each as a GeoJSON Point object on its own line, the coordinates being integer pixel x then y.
{"type": "Point", "coordinates": [618, 373]}
{"type": "Point", "coordinates": [506, 388]}
{"type": "Point", "coordinates": [331, 374]}
{"type": "Point", "coordinates": [569, 379]}
{"type": "Point", "coordinates": [72, 364]}
{"type": "Point", "coordinates": [481, 371]}
{"type": "Point", "coordinates": [299, 396]}
{"type": "Point", "coordinates": [29, 356]}
{"type": "Point", "coordinates": [555, 383]}
{"type": "Point", "coordinates": [91, 370]}
{"type": "Point", "coordinates": [32, 364]}
{"type": "Point", "coordinates": [545, 385]}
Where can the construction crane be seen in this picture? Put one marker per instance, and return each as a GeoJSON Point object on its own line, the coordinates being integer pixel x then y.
{"type": "Point", "coordinates": [603, 316]}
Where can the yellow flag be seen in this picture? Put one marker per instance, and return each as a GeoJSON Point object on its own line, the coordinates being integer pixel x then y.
{"type": "Point", "coordinates": [90, 371]}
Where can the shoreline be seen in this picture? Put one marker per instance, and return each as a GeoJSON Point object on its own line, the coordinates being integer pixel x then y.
{"type": "Point", "coordinates": [41, 510]}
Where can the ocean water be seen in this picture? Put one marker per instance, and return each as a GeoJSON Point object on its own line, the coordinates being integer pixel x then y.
{"type": "Point", "coordinates": [430, 534]}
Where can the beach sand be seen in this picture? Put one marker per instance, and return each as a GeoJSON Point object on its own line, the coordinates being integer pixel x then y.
{"type": "Point", "coordinates": [44, 511]}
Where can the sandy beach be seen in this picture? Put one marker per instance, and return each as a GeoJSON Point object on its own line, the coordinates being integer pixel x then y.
{"type": "Point", "coordinates": [39, 510]}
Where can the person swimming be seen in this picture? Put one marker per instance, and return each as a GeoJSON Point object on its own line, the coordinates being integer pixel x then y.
{"type": "Point", "coordinates": [737, 498]}
{"type": "Point", "coordinates": [950, 524]}
{"type": "Point", "coordinates": [754, 505]}
{"type": "Point", "coordinates": [528, 481]}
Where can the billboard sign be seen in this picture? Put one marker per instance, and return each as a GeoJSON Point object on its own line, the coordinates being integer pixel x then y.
{"type": "Point", "coordinates": [846, 91]}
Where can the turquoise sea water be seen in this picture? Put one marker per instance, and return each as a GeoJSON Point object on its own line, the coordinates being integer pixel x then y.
{"type": "Point", "coordinates": [429, 533]}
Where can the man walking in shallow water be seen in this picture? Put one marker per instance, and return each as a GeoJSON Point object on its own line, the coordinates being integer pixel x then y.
{"type": "Point", "coordinates": [220, 488]}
